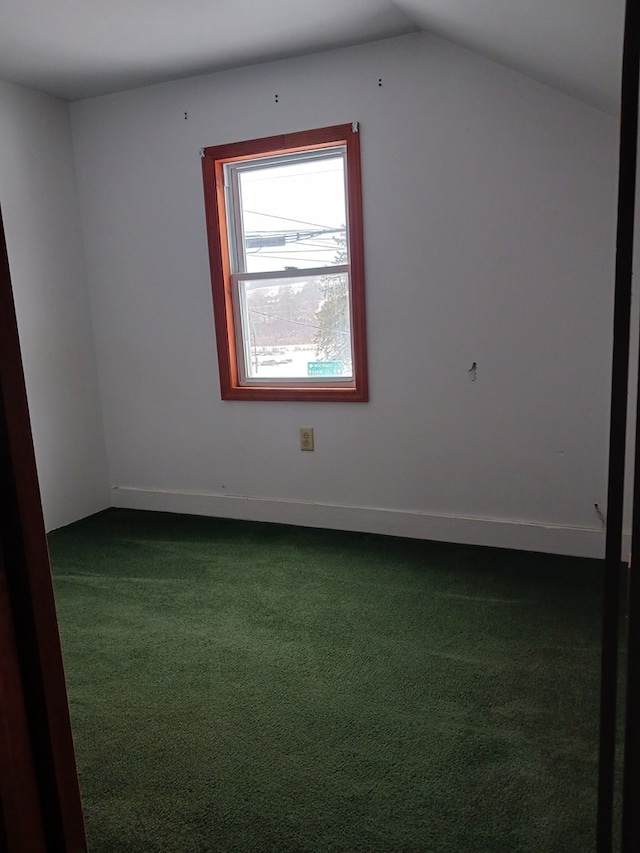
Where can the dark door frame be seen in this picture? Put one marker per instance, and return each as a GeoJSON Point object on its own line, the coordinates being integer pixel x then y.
{"type": "Point", "coordinates": [615, 501]}
{"type": "Point", "coordinates": [40, 808]}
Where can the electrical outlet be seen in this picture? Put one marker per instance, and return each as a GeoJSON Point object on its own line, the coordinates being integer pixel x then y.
{"type": "Point", "coordinates": [306, 438]}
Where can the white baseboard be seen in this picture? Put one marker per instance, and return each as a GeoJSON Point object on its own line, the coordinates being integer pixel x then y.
{"type": "Point", "coordinates": [498, 533]}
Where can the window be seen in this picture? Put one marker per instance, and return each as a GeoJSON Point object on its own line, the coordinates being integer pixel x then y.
{"type": "Point", "coordinates": [284, 225]}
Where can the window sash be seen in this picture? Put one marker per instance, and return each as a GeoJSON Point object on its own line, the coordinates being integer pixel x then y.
{"type": "Point", "coordinates": [243, 339]}
{"type": "Point", "coordinates": [232, 171]}
{"type": "Point", "coordinates": [299, 274]}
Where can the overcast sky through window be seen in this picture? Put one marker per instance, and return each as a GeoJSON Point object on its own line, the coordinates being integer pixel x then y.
{"type": "Point", "coordinates": [301, 204]}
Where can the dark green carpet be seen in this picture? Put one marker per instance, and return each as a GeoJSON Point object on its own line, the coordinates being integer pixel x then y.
{"type": "Point", "coordinates": [237, 686]}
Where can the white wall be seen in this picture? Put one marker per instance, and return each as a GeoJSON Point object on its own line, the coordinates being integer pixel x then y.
{"type": "Point", "coordinates": [39, 201]}
{"type": "Point", "coordinates": [489, 210]}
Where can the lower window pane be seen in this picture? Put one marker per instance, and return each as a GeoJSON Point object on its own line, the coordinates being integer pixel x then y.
{"type": "Point", "coordinates": [297, 329]}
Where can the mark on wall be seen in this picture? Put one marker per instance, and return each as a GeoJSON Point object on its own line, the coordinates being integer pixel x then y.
{"type": "Point", "coordinates": [473, 372]}
{"type": "Point", "coordinates": [601, 517]}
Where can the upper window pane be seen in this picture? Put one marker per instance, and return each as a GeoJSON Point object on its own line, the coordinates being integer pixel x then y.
{"type": "Point", "coordinates": [292, 214]}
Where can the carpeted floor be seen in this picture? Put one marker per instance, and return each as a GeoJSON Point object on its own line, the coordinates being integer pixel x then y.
{"type": "Point", "coordinates": [237, 686]}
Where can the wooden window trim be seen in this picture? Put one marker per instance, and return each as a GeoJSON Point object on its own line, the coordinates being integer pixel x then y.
{"type": "Point", "coordinates": [213, 161]}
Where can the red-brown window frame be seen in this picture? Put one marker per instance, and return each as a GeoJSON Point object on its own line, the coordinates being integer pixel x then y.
{"type": "Point", "coordinates": [213, 161]}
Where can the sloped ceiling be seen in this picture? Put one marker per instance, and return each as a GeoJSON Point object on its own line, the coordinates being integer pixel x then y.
{"type": "Point", "coordinates": [573, 45]}
{"type": "Point", "coordinates": [80, 48]}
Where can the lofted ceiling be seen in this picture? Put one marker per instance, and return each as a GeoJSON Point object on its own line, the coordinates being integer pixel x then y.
{"type": "Point", "coordinates": [80, 48]}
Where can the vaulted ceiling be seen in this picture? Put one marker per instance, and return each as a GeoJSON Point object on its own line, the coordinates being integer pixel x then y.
{"type": "Point", "coordinates": [80, 48]}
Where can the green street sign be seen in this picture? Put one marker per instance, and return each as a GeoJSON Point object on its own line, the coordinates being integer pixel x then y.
{"type": "Point", "coordinates": [324, 368]}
